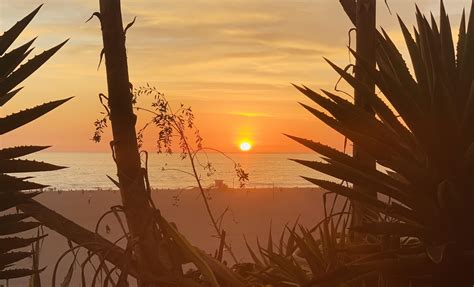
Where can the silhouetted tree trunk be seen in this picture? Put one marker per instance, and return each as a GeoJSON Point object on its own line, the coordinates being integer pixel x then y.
{"type": "Point", "coordinates": [135, 198]}
{"type": "Point", "coordinates": [366, 49]}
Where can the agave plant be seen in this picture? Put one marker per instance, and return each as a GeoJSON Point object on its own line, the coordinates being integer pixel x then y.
{"type": "Point", "coordinates": [302, 254]}
{"type": "Point", "coordinates": [422, 139]}
{"type": "Point", "coordinates": [18, 190]}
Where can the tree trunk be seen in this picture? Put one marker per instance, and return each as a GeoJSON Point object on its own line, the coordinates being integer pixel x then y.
{"type": "Point", "coordinates": [366, 49]}
{"type": "Point", "coordinates": [135, 198]}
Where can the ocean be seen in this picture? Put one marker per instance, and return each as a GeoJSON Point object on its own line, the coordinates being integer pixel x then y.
{"type": "Point", "coordinates": [88, 171]}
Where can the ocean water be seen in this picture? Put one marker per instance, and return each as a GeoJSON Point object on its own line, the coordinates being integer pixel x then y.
{"type": "Point", "coordinates": [88, 171]}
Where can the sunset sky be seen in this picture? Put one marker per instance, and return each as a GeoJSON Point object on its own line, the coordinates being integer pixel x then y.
{"type": "Point", "coordinates": [231, 60]}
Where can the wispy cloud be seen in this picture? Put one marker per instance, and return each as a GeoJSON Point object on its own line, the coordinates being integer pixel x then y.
{"type": "Point", "coordinates": [235, 56]}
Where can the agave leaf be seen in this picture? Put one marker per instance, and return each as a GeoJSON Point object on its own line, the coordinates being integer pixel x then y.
{"type": "Point", "coordinates": [262, 254]}
{"type": "Point", "coordinates": [356, 177]}
{"type": "Point", "coordinates": [20, 165]}
{"type": "Point", "coordinates": [10, 36]}
{"type": "Point", "coordinates": [397, 94]}
{"type": "Point", "coordinates": [468, 117]}
{"type": "Point", "coordinates": [288, 267]}
{"type": "Point", "coordinates": [384, 155]}
{"type": "Point", "coordinates": [11, 195]}
{"type": "Point", "coordinates": [416, 60]}
{"type": "Point", "coordinates": [423, 42]}
{"type": "Point", "coordinates": [12, 218]}
{"type": "Point", "coordinates": [252, 254]}
{"type": "Point", "coordinates": [190, 251]}
{"type": "Point", "coordinates": [404, 141]}
{"type": "Point", "coordinates": [18, 227]}
{"type": "Point", "coordinates": [5, 98]}
{"type": "Point", "coordinates": [281, 241]}
{"type": "Point", "coordinates": [10, 183]}
{"type": "Point", "coordinates": [355, 118]}
{"type": "Point", "coordinates": [363, 198]}
{"type": "Point", "coordinates": [466, 68]}
{"type": "Point", "coordinates": [8, 258]}
{"type": "Point", "coordinates": [345, 159]}
{"type": "Point", "coordinates": [395, 65]}
{"type": "Point", "coordinates": [14, 152]}
{"type": "Point", "coordinates": [325, 103]}
{"type": "Point", "coordinates": [461, 40]}
{"type": "Point", "coordinates": [11, 60]}
{"type": "Point", "coordinates": [16, 120]}
{"type": "Point", "coordinates": [391, 228]}
{"type": "Point", "coordinates": [10, 200]}
{"type": "Point", "coordinates": [371, 145]}
{"type": "Point", "coordinates": [291, 244]}
{"type": "Point", "coordinates": [25, 70]}
{"type": "Point", "coordinates": [312, 255]}
{"type": "Point", "coordinates": [380, 108]}
{"type": "Point", "coordinates": [16, 273]}
{"type": "Point", "coordinates": [11, 243]}
{"type": "Point", "coordinates": [447, 46]}
{"type": "Point", "coordinates": [435, 31]}
{"type": "Point", "coordinates": [270, 240]}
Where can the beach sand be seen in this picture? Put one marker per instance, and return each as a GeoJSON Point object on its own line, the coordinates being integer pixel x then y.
{"type": "Point", "coordinates": [251, 211]}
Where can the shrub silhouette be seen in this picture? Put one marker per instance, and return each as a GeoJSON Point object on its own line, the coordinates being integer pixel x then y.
{"type": "Point", "coordinates": [425, 141]}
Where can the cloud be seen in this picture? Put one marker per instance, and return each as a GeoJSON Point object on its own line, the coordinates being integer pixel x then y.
{"type": "Point", "coordinates": [235, 56]}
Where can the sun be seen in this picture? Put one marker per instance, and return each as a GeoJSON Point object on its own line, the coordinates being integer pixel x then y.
{"type": "Point", "coordinates": [245, 146]}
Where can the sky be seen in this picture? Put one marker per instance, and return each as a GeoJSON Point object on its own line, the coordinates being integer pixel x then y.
{"type": "Point", "coordinates": [232, 61]}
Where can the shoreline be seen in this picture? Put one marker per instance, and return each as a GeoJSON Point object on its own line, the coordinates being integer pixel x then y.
{"type": "Point", "coordinates": [192, 189]}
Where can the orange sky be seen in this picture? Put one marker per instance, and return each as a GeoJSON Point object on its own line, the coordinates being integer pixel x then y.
{"type": "Point", "coordinates": [231, 60]}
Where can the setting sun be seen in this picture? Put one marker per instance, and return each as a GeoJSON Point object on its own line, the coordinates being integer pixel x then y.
{"type": "Point", "coordinates": [245, 146]}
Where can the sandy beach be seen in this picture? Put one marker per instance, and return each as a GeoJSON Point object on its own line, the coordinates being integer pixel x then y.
{"type": "Point", "coordinates": [251, 212]}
